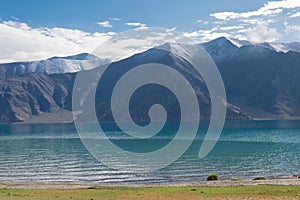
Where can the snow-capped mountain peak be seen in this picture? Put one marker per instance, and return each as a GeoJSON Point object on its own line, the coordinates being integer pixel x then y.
{"type": "Point", "coordinates": [189, 52]}
{"type": "Point", "coordinates": [53, 65]}
{"type": "Point", "coordinates": [223, 47]}
{"type": "Point", "coordinates": [240, 43]}
{"type": "Point", "coordinates": [81, 56]}
{"type": "Point", "coordinates": [286, 47]}
{"type": "Point", "coordinates": [278, 47]}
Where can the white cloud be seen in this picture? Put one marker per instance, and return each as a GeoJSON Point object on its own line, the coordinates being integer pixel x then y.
{"type": "Point", "coordinates": [215, 32]}
{"type": "Point", "coordinates": [282, 4]}
{"type": "Point", "coordinates": [269, 9]}
{"type": "Point", "coordinates": [262, 33]}
{"type": "Point", "coordinates": [205, 35]}
{"type": "Point", "coordinates": [263, 24]}
{"type": "Point", "coordinates": [137, 24]}
{"type": "Point", "coordinates": [105, 24]}
{"type": "Point", "coordinates": [291, 27]}
{"type": "Point", "coordinates": [228, 28]}
{"type": "Point", "coordinates": [268, 21]}
{"type": "Point", "coordinates": [114, 19]}
{"type": "Point", "coordinates": [293, 31]}
{"type": "Point", "coordinates": [171, 29]}
{"type": "Point", "coordinates": [126, 45]}
{"type": "Point", "coordinates": [20, 42]}
{"type": "Point", "coordinates": [15, 18]}
{"type": "Point", "coordinates": [202, 21]}
{"type": "Point", "coordinates": [295, 15]}
{"type": "Point", "coordinates": [234, 15]}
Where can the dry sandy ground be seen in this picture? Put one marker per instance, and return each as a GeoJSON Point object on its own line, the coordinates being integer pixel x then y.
{"type": "Point", "coordinates": [225, 183]}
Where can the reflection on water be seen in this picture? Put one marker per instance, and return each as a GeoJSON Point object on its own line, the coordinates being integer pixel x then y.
{"type": "Point", "coordinates": [54, 152]}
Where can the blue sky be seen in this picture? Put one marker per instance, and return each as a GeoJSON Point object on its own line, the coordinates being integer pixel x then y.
{"type": "Point", "coordinates": [84, 14]}
{"type": "Point", "coordinates": [32, 29]}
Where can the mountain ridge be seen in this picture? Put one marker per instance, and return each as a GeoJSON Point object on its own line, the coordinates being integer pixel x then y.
{"type": "Point", "coordinates": [260, 83]}
{"type": "Point", "coordinates": [218, 49]}
{"type": "Point", "coordinates": [53, 65]}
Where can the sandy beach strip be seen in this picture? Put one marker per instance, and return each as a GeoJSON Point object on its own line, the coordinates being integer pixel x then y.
{"type": "Point", "coordinates": [222, 183]}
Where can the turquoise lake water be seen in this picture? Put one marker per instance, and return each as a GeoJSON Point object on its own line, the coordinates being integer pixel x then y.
{"type": "Point", "coordinates": [54, 152]}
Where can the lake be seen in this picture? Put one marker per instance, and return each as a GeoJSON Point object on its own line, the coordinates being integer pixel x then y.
{"type": "Point", "coordinates": [54, 152]}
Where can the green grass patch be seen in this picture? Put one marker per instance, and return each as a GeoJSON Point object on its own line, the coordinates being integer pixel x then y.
{"type": "Point", "coordinates": [152, 193]}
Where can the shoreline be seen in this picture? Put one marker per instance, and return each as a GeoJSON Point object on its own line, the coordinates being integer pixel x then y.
{"type": "Point", "coordinates": [58, 122]}
{"type": "Point", "coordinates": [209, 184]}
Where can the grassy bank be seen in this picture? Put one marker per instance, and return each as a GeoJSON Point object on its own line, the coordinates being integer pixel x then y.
{"type": "Point", "coordinates": [243, 192]}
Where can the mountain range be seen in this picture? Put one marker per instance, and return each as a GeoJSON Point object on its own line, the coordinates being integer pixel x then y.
{"type": "Point", "coordinates": [262, 81]}
{"type": "Point", "coordinates": [54, 65]}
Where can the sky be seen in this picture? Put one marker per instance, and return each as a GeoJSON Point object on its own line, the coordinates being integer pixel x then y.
{"type": "Point", "coordinates": [32, 29]}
